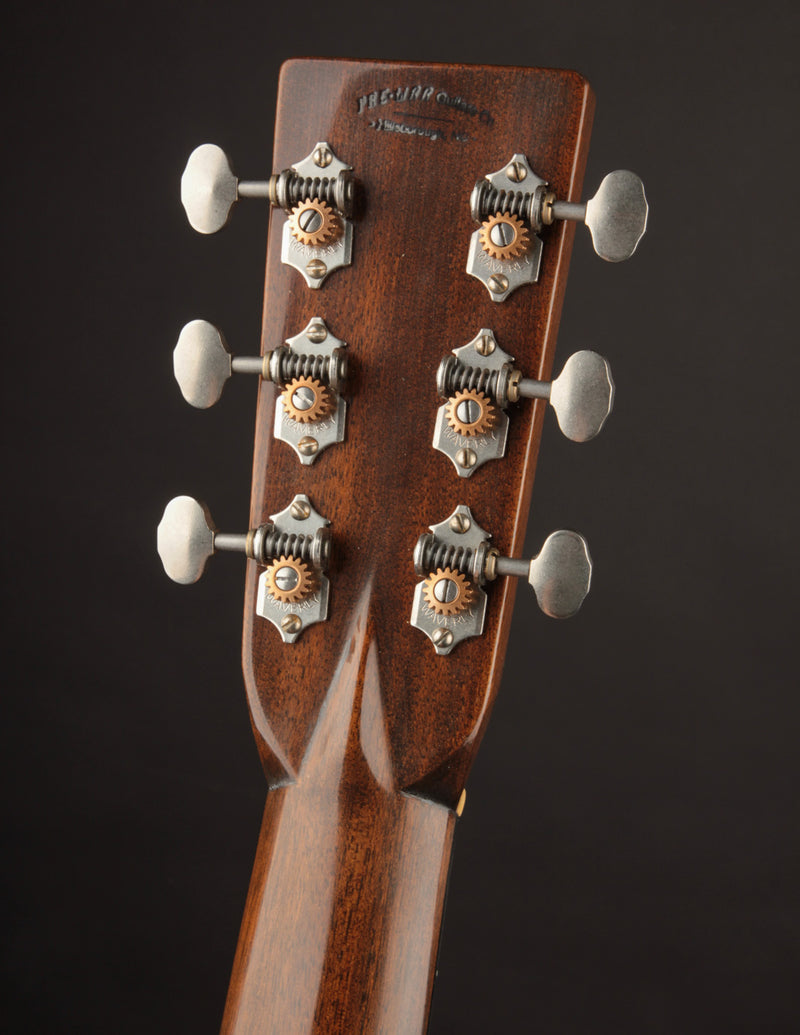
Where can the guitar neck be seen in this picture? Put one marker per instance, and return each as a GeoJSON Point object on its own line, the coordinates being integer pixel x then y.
{"type": "Point", "coordinates": [342, 922]}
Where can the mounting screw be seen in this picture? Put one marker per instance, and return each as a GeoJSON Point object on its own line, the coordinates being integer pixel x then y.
{"type": "Point", "coordinates": [516, 172]}
{"type": "Point", "coordinates": [485, 345]}
{"type": "Point", "coordinates": [442, 637]}
{"type": "Point", "coordinates": [466, 458]}
{"type": "Point", "coordinates": [322, 157]}
{"type": "Point", "coordinates": [316, 269]}
{"type": "Point", "coordinates": [308, 446]}
{"type": "Point", "coordinates": [460, 523]}
{"type": "Point", "coordinates": [316, 332]}
{"type": "Point", "coordinates": [498, 284]}
{"type": "Point", "coordinates": [300, 510]}
{"type": "Point", "coordinates": [291, 624]}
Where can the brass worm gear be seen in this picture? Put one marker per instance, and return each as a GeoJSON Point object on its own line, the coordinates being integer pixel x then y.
{"type": "Point", "coordinates": [470, 412]}
{"type": "Point", "coordinates": [504, 236]}
{"type": "Point", "coordinates": [289, 580]}
{"type": "Point", "coordinates": [313, 223]}
{"type": "Point", "coordinates": [447, 592]}
{"type": "Point", "coordinates": [305, 399]}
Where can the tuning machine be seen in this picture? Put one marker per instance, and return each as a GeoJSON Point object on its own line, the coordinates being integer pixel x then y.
{"type": "Point", "coordinates": [513, 205]}
{"type": "Point", "coordinates": [317, 195]}
{"type": "Point", "coordinates": [294, 546]}
{"type": "Point", "coordinates": [456, 561]}
{"type": "Point", "coordinates": [311, 368]}
{"type": "Point", "coordinates": [479, 381]}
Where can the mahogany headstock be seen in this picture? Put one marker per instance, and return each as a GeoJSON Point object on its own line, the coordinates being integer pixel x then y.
{"type": "Point", "coordinates": [396, 182]}
{"type": "Point", "coordinates": [418, 137]}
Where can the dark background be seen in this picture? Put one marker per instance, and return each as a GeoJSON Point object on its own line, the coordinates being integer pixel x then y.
{"type": "Point", "coordinates": [629, 856]}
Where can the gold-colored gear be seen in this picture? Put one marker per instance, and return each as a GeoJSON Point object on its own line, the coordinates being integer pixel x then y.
{"type": "Point", "coordinates": [324, 223]}
{"type": "Point", "coordinates": [459, 583]}
{"type": "Point", "coordinates": [487, 414]}
{"type": "Point", "coordinates": [304, 584]}
{"type": "Point", "coordinates": [320, 406]}
{"type": "Point", "coordinates": [519, 238]}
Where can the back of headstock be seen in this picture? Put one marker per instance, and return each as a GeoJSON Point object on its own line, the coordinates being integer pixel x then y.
{"type": "Point", "coordinates": [391, 485]}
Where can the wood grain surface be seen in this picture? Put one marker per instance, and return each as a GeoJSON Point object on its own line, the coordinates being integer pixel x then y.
{"type": "Point", "coordinates": [365, 734]}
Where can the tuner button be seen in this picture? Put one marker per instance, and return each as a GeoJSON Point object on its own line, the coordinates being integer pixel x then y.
{"type": "Point", "coordinates": [209, 188]}
{"type": "Point", "coordinates": [616, 216]}
{"type": "Point", "coordinates": [202, 363]}
{"type": "Point", "coordinates": [185, 539]}
{"type": "Point", "coordinates": [583, 395]}
{"type": "Point", "coordinates": [561, 574]}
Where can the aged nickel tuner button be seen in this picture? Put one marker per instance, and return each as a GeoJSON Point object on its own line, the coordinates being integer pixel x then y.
{"type": "Point", "coordinates": [295, 546]}
{"type": "Point", "coordinates": [210, 189]}
{"type": "Point", "coordinates": [317, 195]}
{"type": "Point", "coordinates": [616, 216]}
{"type": "Point", "coordinates": [479, 381]}
{"type": "Point", "coordinates": [513, 205]}
{"type": "Point", "coordinates": [311, 368]}
{"type": "Point", "coordinates": [456, 561]}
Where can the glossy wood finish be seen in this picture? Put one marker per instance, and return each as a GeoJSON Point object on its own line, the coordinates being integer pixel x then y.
{"type": "Point", "coordinates": [365, 734]}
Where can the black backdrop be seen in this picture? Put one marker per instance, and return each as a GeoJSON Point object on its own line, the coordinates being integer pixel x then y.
{"type": "Point", "coordinates": [629, 856]}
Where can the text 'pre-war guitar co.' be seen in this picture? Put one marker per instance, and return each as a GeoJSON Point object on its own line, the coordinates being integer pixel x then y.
{"type": "Point", "coordinates": [419, 237]}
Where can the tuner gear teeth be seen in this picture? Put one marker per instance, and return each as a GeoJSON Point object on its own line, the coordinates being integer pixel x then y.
{"type": "Point", "coordinates": [470, 412]}
{"type": "Point", "coordinates": [305, 399]}
{"type": "Point", "coordinates": [313, 223]}
{"type": "Point", "coordinates": [289, 580]}
{"type": "Point", "coordinates": [447, 592]}
{"type": "Point", "coordinates": [504, 236]}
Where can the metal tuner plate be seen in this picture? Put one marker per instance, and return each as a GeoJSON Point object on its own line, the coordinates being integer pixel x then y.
{"type": "Point", "coordinates": [499, 267]}
{"type": "Point", "coordinates": [458, 533]}
{"type": "Point", "coordinates": [309, 439]}
{"type": "Point", "coordinates": [292, 617]}
{"type": "Point", "coordinates": [316, 261]}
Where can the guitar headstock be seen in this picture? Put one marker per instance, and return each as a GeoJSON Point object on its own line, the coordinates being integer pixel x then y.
{"type": "Point", "coordinates": [419, 238]}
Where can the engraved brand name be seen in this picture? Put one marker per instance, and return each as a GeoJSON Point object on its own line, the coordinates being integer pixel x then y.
{"type": "Point", "coordinates": [372, 100]}
{"type": "Point", "coordinates": [388, 126]}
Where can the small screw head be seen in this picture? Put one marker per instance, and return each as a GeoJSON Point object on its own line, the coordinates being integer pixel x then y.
{"type": "Point", "coordinates": [286, 578]}
{"type": "Point", "coordinates": [316, 269]}
{"type": "Point", "coordinates": [501, 234]}
{"type": "Point", "coordinates": [485, 345]}
{"type": "Point", "coordinates": [445, 591]}
{"type": "Point", "coordinates": [322, 157]}
{"type": "Point", "coordinates": [317, 332]}
{"type": "Point", "coordinates": [466, 458]}
{"type": "Point", "coordinates": [442, 637]}
{"type": "Point", "coordinates": [498, 284]}
{"type": "Point", "coordinates": [308, 446]}
{"type": "Point", "coordinates": [516, 172]}
{"type": "Point", "coordinates": [309, 220]}
{"type": "Point", "coordinates": [468, 411]}
{"type": "Point", "coordinates": [303, 398]}
{"type": "Point", "coordinates": [460, 523]}
{"type": "Point", "coordinates": [291, 623]}
{"type": "Point", "coordinates": [300, 510]}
